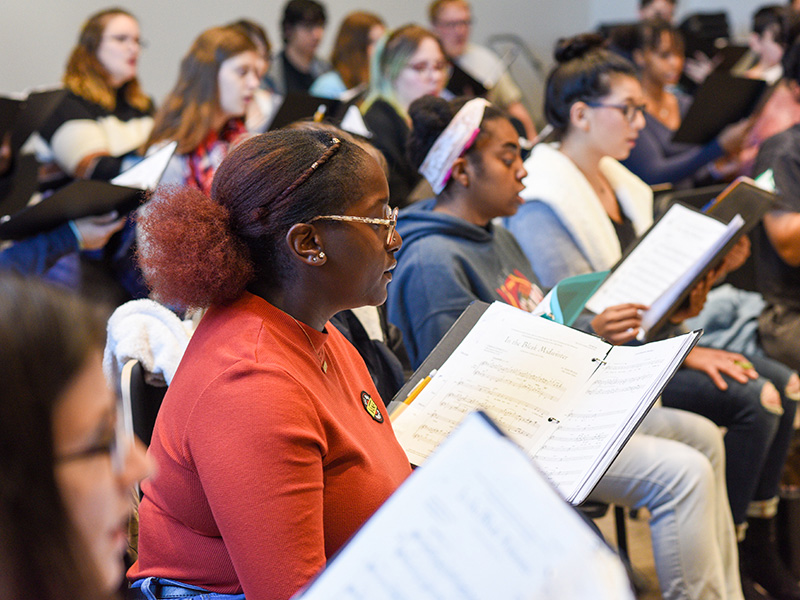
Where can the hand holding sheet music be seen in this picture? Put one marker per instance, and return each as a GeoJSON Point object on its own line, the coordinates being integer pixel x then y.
{"type": "Point", "coordinates": [666, 263]}
{"type": "Point", "coordinates": [89, 198]}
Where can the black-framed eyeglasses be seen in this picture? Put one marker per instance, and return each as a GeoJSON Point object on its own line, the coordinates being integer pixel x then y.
{"type": "Point", "coordinates": [389, 221]}
{"type": "Point", "coordinates": [117, 446]}
{"type": "Point", "coordinates": [628, 110]}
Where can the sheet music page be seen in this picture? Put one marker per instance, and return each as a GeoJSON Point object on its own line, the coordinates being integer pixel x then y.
{"type": "Point", "coordinates": [681, 238]}
{"type": "Point", "coordinates": [517, 367]}
{"type": "Point", "coordinates": [610, 405]}
{"type": "Point", "coordinates": [662, 305]}
{"type": "Point", "coordinates": [476, 521]}
{"type": "Point", "coordinates": [147, 172]}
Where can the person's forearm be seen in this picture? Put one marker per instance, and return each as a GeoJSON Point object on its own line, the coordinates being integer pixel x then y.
{"type": "Point", "coordinates": [783, 230]}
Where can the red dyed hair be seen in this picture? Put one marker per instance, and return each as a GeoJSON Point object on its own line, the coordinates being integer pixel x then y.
{"type": "Point", "coordinates": [196, 251]}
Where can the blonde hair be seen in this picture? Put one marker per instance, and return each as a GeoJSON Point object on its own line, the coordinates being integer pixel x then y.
{"type": "Point", "coordinates": [85, 76]}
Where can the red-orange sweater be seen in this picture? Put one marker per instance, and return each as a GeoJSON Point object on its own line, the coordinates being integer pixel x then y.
{"type": "Point", "coordinates": [266, 465]}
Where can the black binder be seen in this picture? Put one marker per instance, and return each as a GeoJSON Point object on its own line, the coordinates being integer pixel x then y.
{"type": "Point", "coordinates": [81, 198]}
{"type": "Point", "coordinates": [721, 100]}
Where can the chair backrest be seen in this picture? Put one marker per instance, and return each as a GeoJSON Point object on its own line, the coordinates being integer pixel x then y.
{"type": "Point", "coordinates": [144, 399]}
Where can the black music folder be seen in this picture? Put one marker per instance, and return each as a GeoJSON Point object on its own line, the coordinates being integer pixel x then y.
{"type": "Point", "coordinates": [665, 264]}
{"type": "Point", "coordinates": [22, 115]}
{"type": "Point", "coordinates": [88, 197]}
{"type": "Point", "coordinates": [81, 198]}
{"type": "Point", "coordinates": [463, 84]}
{"type": "Point", "coordinates": [298, 106]}
{"type": "Point", "coordinates": [721, 100]}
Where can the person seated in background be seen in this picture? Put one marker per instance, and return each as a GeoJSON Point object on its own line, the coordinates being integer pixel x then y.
{"type": "Point", "coordinates": [453, 254]}
{"type": "Point", "coordinates": [265, 104]}
{"type": "Point", "coordinates": [95, 133]}
{"type": "Point", "coordinates": [407, 64]}
{"type": "Point", "coordinates": [452, 22]}
{"type": "Point", "coordinates": [582, 210]}
{"type": "Point", "coordinates": [778, 245]}
{"type": "Point", "coordinates": [774, 30]}
{"type": "Point", "coordinates": [205, 110]}
{"type": "Point", "coordinates": [271, 426]}
{"type": "Point", "coordinates": [355, 42]}
{"type": "Point", "coordinates": [68, 467]}
{"type": "Point", "coordinates": [105, 115]}
{"type": "Point", "coordinates": [656, 159]}
{"type": "Point", "coordinates": [297, 65]}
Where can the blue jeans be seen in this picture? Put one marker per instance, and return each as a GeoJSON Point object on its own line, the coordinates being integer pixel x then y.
{"type": "Point", "coordinates": [757, 440]}
{"type": "Point", "coordinates": [674, 466]}
{"type": "Point", "coordinates": [157, 588]}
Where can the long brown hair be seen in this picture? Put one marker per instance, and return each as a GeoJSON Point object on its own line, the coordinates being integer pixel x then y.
{"type": "Point", "coordinates": [46, 338]}
{"type": "Point", "coordinates": [86, 77]}
{"type": "Point", "coordinates": [349, 57]}
{"type": "Point", "coordinates": [188, 112]}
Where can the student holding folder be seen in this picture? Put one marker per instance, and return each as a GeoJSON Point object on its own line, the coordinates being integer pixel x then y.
{"type": "Point", "coordinates": [658, 54]}
{"type": "Point", "coordinates": [583, 208]}
{"type": "Point", "coordinates": [454, 254]}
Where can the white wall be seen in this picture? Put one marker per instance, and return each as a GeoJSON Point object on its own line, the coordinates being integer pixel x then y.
{"type": "Point", "coordinates": [37, 35]}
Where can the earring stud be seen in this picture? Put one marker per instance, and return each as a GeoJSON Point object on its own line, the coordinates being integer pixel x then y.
{"type": "Point", "coordinates": [321, 255]}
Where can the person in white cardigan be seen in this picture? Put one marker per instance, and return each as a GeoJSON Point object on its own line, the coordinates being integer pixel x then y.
{"type": "Point", "coordinates": [691, 564]}
{"type": "Point", "coordinates": [583, 208]}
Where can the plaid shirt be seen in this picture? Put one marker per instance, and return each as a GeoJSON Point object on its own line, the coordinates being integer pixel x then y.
{"type": "Point", "coordinates": [203, 161]}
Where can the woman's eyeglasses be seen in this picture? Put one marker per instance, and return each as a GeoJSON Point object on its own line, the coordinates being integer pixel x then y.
{"type": "Point", "coordinates": [628, 110]}
{"type": "Point", "coordinates": [389, 221]}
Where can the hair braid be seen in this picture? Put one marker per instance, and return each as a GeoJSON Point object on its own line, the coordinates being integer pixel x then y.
{"type": "Point", "coordinates": [330, 151]}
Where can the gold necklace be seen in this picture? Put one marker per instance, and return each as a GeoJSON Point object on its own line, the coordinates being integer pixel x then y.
{"type": "Point", "coordinates": [318, 353]}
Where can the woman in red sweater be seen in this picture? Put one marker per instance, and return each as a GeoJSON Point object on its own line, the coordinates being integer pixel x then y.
{"type": "Point", "coordinates": [272, 445]}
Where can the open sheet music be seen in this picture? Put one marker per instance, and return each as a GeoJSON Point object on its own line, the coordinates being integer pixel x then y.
{"type": "Point", "coordinates": [567, 398]}
{"type": "Point", "coordinates": [667, 262]}
{"type": "Point", "coordinates": [476, 521]}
